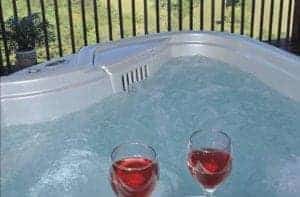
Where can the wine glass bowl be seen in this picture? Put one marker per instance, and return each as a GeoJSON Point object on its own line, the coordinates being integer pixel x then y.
{"type": "Point", "coordinates": [134, 171]}
{"type": "Point", "coordinates": [209, 158]}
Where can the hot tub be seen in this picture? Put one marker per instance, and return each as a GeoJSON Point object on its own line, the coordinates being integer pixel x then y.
{"type": "Point", "coordinates": [60, 120]}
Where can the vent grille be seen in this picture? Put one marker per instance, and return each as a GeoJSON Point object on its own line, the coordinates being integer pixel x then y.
{"type": "Point", "coordinates": [134, 76]}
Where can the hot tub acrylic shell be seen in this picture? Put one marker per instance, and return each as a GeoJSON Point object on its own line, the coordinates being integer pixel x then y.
{"type": "Point", "coordinates": [53, 89]}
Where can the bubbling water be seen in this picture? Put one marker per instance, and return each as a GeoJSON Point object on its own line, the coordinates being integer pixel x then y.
{"type": "Point", "coordinates": [70, 156]}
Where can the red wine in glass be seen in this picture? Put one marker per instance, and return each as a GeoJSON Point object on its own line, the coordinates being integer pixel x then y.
{"type": "Point", "coordinates": [209, 158]}
{"type": "Point", "coordinates": [209, 166]}
{"type": "Point", "coordinates": [132, 174]}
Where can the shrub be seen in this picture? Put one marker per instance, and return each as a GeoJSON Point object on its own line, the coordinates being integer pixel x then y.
{"type": "Point", "coordinates": [26, 33]}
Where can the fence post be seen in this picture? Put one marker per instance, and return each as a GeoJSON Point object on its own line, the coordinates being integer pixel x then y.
{"type": "Point", "coordinates": [296, 27]}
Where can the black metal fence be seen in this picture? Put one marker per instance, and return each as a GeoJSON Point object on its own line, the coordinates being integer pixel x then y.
{"type": "Point", "coordinates": [101, 20]}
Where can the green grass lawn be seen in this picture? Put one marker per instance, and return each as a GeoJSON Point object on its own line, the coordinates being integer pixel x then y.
{"type": "Point", "coordinates": [103, 22]}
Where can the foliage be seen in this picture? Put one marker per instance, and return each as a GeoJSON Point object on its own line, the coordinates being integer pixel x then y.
{"type": "Point", "coordinates": [175, 4]}
{"type": "Point", "coordinates": [26, 33]}
{"type": "Point", "coordinates": [230, 2]}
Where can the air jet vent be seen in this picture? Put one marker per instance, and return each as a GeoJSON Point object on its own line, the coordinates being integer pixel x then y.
{"type": "Point", "coordinates": [136, 75]}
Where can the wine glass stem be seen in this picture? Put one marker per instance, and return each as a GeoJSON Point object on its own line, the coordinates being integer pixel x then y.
{"type": "Point", "coordinates": [209, 194]}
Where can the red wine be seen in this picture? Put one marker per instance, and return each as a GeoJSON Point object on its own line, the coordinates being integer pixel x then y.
{"type": "Point", "coordinates": [134, 177]}
{"type": "Point", "coordinates": [209, 166]}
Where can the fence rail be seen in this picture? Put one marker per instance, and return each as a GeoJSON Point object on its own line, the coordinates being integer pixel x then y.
{"type": "Point", "coordinates": [81, 22]}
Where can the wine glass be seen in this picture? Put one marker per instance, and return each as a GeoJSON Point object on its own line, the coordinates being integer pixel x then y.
{"type": "Point", "coordinates": [209, 158]}
{"type": "Point", "coordinates": [134, 171]}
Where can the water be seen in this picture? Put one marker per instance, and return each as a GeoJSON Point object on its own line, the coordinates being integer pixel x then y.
{"type": "Point", "coordinates": [70, 156]}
